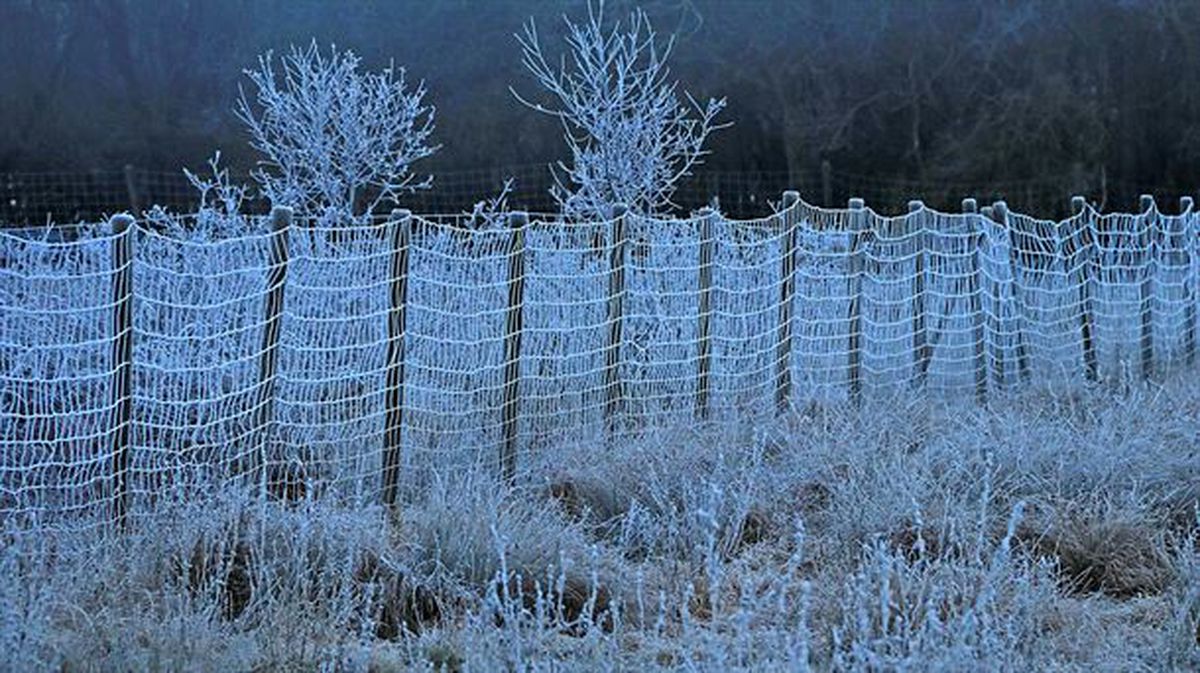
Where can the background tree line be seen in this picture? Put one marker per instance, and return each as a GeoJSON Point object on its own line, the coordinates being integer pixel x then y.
{"type": "Point", "coordinates": [1030, 101]}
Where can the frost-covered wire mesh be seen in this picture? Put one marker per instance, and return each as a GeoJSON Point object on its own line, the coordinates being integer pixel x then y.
{"type": "Point", "coordinates": [952, 304]}
{"type": "Point", "coordinates": [55, 335]}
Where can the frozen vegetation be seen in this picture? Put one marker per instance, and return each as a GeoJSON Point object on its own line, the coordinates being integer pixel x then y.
{"type": "Point", "coordinates": [823, 440]}
{"type": "Point", "coordinates": [1057, 531]}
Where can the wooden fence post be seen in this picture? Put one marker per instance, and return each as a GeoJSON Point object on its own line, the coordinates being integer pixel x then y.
{"type": "Point", "coordinates": [922, 355]}
{"type": "Point", "coordinates": [616, 311]}
{"type": "Point", "coordinates": [121, 393]}
{"type": "Point", "coordinates": [996, 319]}
{"type": "Point", "coordinates": [517, 223]}
{"type": "Point", "coordinates": [1000, 210]}
{"type": "Point", "coordinates": [1191, 284]}
{"type": "Point", "coordinates": [787, 291]}
{"type": "Point", "coordinates": [1148, 237]}
{"type": "Point", "coordinates": [858, 237]}
{"type": "Point", "coordinates": [704, 364]}
{"type": "Point", "coordinates": [397, 328]}
{"type": "Point", "coordinates": [1086, 270]}
{"type": "Point", "coordinates": [970, 208]}
{"type": "Point", "coordinates": [281, 220]}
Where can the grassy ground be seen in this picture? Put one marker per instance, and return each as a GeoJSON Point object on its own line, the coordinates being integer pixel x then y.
{"type": "Point", "coordinates": [1057, 530]}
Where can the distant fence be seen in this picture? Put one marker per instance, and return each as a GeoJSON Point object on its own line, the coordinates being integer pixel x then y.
{"type": "Point", "coordinates": [67, 197]}
{"type": "Point", "coordinates": [142, 359]}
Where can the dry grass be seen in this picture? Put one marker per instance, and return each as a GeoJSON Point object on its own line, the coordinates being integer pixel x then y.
{"type": "Point", "coordinates": [1054, 531]}
{"type": "Point", "coordinates": [1117, 550]}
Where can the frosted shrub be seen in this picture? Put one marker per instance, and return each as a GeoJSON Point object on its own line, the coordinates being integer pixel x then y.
{"type": "Point", "coordinates": [218, 194]}
{"type": "Point", "coordinates": [333, 137]}
{"type": "Point", "coordinates": [493, 212]}
{"type": "Point", "coordinates": [631, 140]}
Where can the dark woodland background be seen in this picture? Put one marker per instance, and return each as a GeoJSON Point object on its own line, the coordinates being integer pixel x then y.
{"type": "Point", "coordinates": [889, 100]}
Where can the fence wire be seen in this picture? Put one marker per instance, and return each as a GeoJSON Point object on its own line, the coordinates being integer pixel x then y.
{"type": "Point", "coordinates": [31, 199]}
{"type": "Point", "coordinates": [269, 351]}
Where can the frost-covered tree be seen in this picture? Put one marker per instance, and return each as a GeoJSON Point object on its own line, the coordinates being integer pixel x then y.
{"type": "Point", "coordinates": [335, 138]}
{"type": "Point", "coordinates": [631, 137]}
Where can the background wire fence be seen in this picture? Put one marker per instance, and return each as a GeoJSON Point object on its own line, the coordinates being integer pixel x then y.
{"type": "Point", "coordinates": [32, 199]}
{"type": "Point", "coordinates": [317, 357]}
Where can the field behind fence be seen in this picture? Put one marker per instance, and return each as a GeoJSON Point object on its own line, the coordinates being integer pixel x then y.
{"type": "Point", "coordinates": [146, 359]}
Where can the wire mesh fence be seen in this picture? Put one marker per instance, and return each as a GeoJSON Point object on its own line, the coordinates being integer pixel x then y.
{"type": "Point", "coordinates": [353, 359]}
{"type": "Point", "coordinates": [33, 199]}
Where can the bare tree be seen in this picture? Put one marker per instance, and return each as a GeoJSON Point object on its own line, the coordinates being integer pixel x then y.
{"type": "Point", "coordinates": [630, 138]}
{"type": "Point", "coordinates": [333, 137]}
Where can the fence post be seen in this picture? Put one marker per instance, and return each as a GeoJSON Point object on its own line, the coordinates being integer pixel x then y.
{"type": "Point", "coordinates": [123, 231]}
{"type": "Point", "coordinates": [616, 311]}
{"type": "Point", "coordinates": [921, 351]}
{"type": "Point", "coordinates": [517, 224]}
{"type": "Point", "coordinates": [970, 208]}
{"type": "Point", "coordinates": [1191, 285]}
{"type": "Point", "coordinates": [131, 188]}
{"type": "Point", "coordinates": [1000, 209]}
{"type": "Point", "coordinates": [1086, 324]}
{"type": "Point", "coordinates": [787, 285]}
{"type": "Point", "coordinates": [1149, 239]}
{"type": "Point", "coordinates": [703, 329]}
{"type": "Point", "coordinates": [397, 328]}
{"type": "Point", "coordinates": [858, 236]}
{"type": "Point", "coordinates": [281, 220]}
{"type": "Point", "coordinates": [996, 318]}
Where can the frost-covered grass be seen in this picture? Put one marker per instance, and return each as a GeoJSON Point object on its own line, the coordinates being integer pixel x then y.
{"type": "Point", "coordinates": [1057, 530]}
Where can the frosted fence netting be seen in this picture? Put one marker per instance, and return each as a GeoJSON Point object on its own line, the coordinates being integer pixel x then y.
{"type": "Point", "coordinates": [944, 303]}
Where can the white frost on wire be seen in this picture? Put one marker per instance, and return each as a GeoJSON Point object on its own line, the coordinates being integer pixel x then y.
{"type": "Point", "coordinates": [1011, 293]}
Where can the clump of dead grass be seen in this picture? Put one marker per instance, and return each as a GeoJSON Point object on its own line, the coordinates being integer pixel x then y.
{"type": "Point", "coordinates": [1120, 551]}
